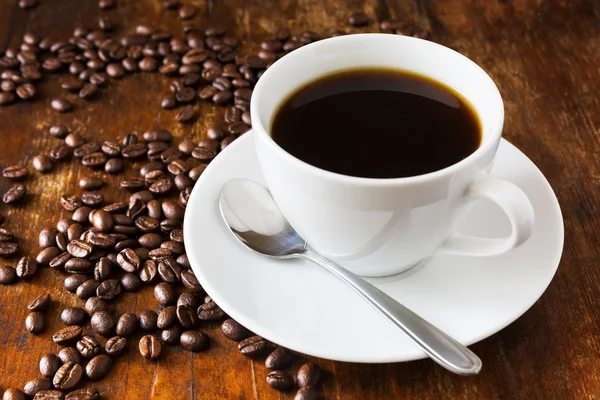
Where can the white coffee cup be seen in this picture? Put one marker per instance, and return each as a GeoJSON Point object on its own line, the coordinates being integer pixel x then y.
{"type": "Point", "coordinates": [379, 227]}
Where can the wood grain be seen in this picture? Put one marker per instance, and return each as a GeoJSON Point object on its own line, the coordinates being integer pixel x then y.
{"type": "Point", "coordinates": [544, 56]}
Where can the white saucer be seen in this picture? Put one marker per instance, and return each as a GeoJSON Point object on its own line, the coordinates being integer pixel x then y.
{"type": "Point", "coordinates": [302, 307]}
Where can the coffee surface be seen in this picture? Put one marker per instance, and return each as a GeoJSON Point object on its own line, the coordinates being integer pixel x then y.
{"type": "Point", "coordinates": [377, 123]}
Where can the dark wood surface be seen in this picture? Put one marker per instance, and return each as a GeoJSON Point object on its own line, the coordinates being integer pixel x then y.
{"type": "Point", "coordinates": [544, 56]}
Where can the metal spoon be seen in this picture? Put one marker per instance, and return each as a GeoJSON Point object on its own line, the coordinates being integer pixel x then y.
{"type": "Point", "coordinates": [252, 215]}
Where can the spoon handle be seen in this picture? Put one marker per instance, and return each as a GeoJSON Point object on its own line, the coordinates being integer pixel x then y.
{"type": "Point", "coordinates": [444, 350]}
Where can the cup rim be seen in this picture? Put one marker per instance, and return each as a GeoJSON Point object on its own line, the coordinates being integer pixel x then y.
{"type": "Point", "coordinates": [485, 146]}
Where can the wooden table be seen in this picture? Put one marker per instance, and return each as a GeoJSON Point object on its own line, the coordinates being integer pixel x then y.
{"type": "Point", "coordinates": [544, 56]}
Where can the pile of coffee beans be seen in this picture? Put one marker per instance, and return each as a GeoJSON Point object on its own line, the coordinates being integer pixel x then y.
{"type": "Point", "coordinates": [106, 249]}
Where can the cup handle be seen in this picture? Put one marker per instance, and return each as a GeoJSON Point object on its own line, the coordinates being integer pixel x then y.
{"type": "Point", "coordinates": [517, 207]}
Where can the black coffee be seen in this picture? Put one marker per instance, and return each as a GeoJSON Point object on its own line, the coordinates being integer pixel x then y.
{"type": "Point", "coordinates": [377, 123]}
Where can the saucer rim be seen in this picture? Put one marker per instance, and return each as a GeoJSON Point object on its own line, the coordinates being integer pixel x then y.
{"type": "Point", "coordinates": [315, 352]}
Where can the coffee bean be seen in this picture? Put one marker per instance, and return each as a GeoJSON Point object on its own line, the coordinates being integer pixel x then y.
{"type": "Point", "coordinates": [186, 146]}
{"type": "Point", "coordinates": [172, 210]}
{"type": "Point", "coordinates": [222, 97]}
{"type": "Point", "coordinates": [40, 303]}
{"type": "Point", "coordinates": [15, 193]}
{"type": "Point", "coordinates": [70, 203]}
{"type": "Point", "coordinates": [150, 241]}
{"type": "Point", "coordinates": [227, 141]}
{"type": "Point", "coordinates": [208, 92]}
{"type": "Point", "coordinates": [159, 254]}
{"type": "Point", "coordinates": [90, 183]}
{"type": "Point", "coordinates": [171, 335]}
{"type": "Point", "coordinates": [116, 207]}
{"type": "Point", "coordinates": [6, 235]}
{"type": "Point", "coordinates": [103, 269]}
{"type": "Point", "coordinates": [87, 289]}
{"type": "Point", "coordinates": [232, 115]}
{"type": "Point", "coordinates": [165, 293]}
{"type": "Point", "coordinates": [95, 304]}
{"type": "Point", "coordinates": [13, 394]}
{"type": "Point", "coordinates": [307, 393]}
{"type": "Point", "coordinates": [61, 105]}
{"type": "Point", "coordinates": [188, 299]}
{"type": "Point", "coordinates": [67, 335]}
{"type": "Point", "coordinates": [37, 385]}
{"type": "Point", "coordinates": [358, 18]}
{"type": "Point", "coordinates": [62, 241]}
{"type": "Point", "coordinates": [113, 165]}
{"type": "Point", "coordinates": [147, 320]}
{"type": "Point", "coordinates": [67, 376]}
{"type": "Point", "coordinates": [168, 101]}
{"type": "Point", "coordinates": [15, 172]}
{"type": "Point", "coordinates": [187, 317]}
{"type": "Point", "coordinates": [127, 325]}
{"type": "Point", "coordinates": [148, 64]}
{"type": "Point", "coordinates": [191, 282]}
{"type": "Point", "coordinates": [103, 323]}
{"type": "Point", "coordinates": [169, 270]}
{"type": "Point", "coordinates": [128, 260]}
{"type": "Point", "coordinates": [134, 184]}
{"type": "Point", "coordinates": [7, 98]}
{"type": "Point", "coordinates": [89, 347]}
{"type": "Point", "coordinates": [69, 354]}
{"type": "Point", "coordinates": [102, 221]}
{"type": "Point", "coordinates": [161, 186]}
{"type": "Point", "coordinates": [73, 316]}
{"type": "Point", "coordinates": [115, 345]}
{"type": "Point", "coordinates": [185, 114]}
{"type": "Point", "coordinates": [98, 367]}
{"type": "Point", "coordinates": [47, 237]}
{"type": "Point", "coordinates": [35, 322]}
{"type": "Point", "coordinates": [8, 249]}
{"type": "Point", "coordinates": [81, 214]}
{"type": "Point", "coordinates": [85, 149]}
{"type": "Point", "coordinates": [48, 395]}
{"type": "Point", "coordinates": [308, 375]}
{"type": "Point", "coordinates": [253, 346]}
{"type": "Point", "coordinates": [75, 231]}
{"type": "Point", "coordinates": [115, 70]}
{"type": "Point", "coordinates": [134, 150]}
{"type": "Point", "coordinates": [46, 255]}
{"type": "Point", "coordinates": [59, 261]}
{"type": "Point", "coordinates": [238, 128]}
{"type": "Point", "coordinates": [234, 330]}
{"type": "Point", "coordinates": [26, 267]}
{"type": "Point", "coordinates": [391, 25]}
{"type": "Point", "coordinates": [149, 271]}
{"type": "Point", "coordinates": [84, 394]}
{"type": "Point", "coordinates": [109, 289]}
{"type": "Point", "coordinates": [131, 282]}
{"type": "Point", "coordinates": [79, 248]}
{"type": "Point", "coordinates": [280, 380]}
{"type": "Point", "coordinates": [166, 317]}
{"type": "Point", "coordinates": [187, 11]}
{"type": "Point", "coordinates": [112, 149]}
{"type": "Point", "coordinates": [72, 282]}
{"type": "Point", "coordinates": [49, 364]}
{"type": "Point", "coordinates": [150, 347]}
{"type": "Point", "coordinates": [210, 312]}
{"type": "Point", "coordinates": [94, 160]}
{"type": "Point", "coordinates": [194, 341]}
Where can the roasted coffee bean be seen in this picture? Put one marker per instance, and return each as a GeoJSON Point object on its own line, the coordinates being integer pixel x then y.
{"type": "Point", "coordinates": [222, 97]}
{"type": "Point", "coordinates": [47, 237]}
{"type": "Point", "coordinates": [147, 320]}
{"type": "Point", "coordinates": [128, 260]}
{"type": "Point", "coordinates": [82, 214]}
{"type": "Point", "coordinates": [182, 181]}
{"type": "Point", "coordinates": [307, 393]}
{"type": "Point", "coordinates": [60, 261]}
{"type": "Point", "coordinates": [37, 385]}
{"type": "Point", "coordinates": [233, 330]}
{"type": "Point", "coordinates": [160, 135]}
{"type": "Point", "coordinates": [232, 115]}
{"type": "Point", "coordinates": [103, 269]}
{"type": "Point", "coordinates": [134, 184]}
{"type": "Point", "coordinates": [79, 248]}
{"type": "Point", "coordinates": [103, 323]}
{"type": "Point", "coordinates": [166, 317]}
{"type": "Point", "coordinates": [72, 84]}
{"type": "Point", "coordinates": [131, 282]}
{"type": "Point", "coordinates": [69, 354]}
{"type": "Point", "coordinates": [63, 225]}
{"type": "Point", "coordinates": [172, 210]}
{"type": "Point", "coordinates": [168, 101]}
{"type": "Point", "coordinates": [176, 235]}
{"type": "Point", "coordinates": [13, 394]}
{"type": "Point", "coordinates": [187, 11]}
{"type": "Point", "coordinates": [15, 193]}
{"type": "Point", "coordinates": [146, 224]}
{"type": "Point", "coordinates": [127, 325]}
{"type": "Point", "coordinates": [210, 312]}
{"type": "Point", "coordinates": [59, 152]}
{"type": "Point", "coordinates": [165, 293]}
{"type": "Point", "coordinates": [126, 244]}
{"type": "Point", "coordinates": [280, 358]}
{"type": "Point", "coordinates": [67, 335]}
{"type": "Point", "coordinates": [116, 207]}
{"type": "Point", "coordinates": [194, 341]}
{"type": "Point", "coordinates": [40, 303]}
{"type": "Point", "coordinates": [7, 98]}
{"type": "Point", "coordinates": [15, 172]}
{"type": "Point", "coordinates": [62, 241]}
{"type": "Point", "coordinates": [187, 317]}
{"type": "Point", "coordinates": [115, 70]}
{"type": "Point", "coordinates": [61, 105]}
{"type": "Point", "coordinates": [195, 172]}
{"type": "Point", "coordinates": [78, 265]}
{"type": "Point", "coordinates": [67, 376]}
{"type": "Point", "coordinates": [112, 149]}
{"type": "Point", "coordinates": [280, 380]}
{"type": "Point", "coordinates": [94, 160]}
{"type": "Point", "coordinates": [148, 64]}
{"type": "Point", "coordinates": [185, 114]}
{"type": "Point", "coordinates": [113, 165]}
{"type": "Point", "coordinates": [115, 345]}
{"type": "Point", "coordinates": [75, 231]}
{"type": "Point", "coordinates": [188, 299]}
{"type": "Point", "coordinates": [159, 254]}
{"type": "Point", "coordinates": [227, 141]}
{"type": "Point", "coordinates": [102, 221]}
{"type": "Point", "coordinates": [87, 289]}
{"type": "Point", "coordinates": [169, 270]}
{"type": "Point", "coordinates": [58, 131]}
{"type": "Point", "coordinates": [174, 247]}
{"type": "Point", "coordinates": [7, 275]}
{"type": "Point", "coordinates": [8, 249]}
{"type": "Point", "coordinates": [98, 367]}
{"type": "Point", "coordinates": [154, 209]}
{"type": "Point", "coordinates": [391, 25]}
{"type": "Point", "coordinates": [208, 92]}
{"type": "Point", "coordinates": [358, 18]}
{"type": "Point", "coordinates": [45, 256]}
{"type": "Point", "coordinates": [109, 289]}
{"type": "Point", "coordinates": [84, 394]}
{"type": "Point", "coordinates": [49, 364]}
{"type": "Point", "coordinates": [72, 282]}
{"type": "Point", "coordinates": [153, 176]}
{"type": "Point", "coordinates": [238, 128]}
{"type": "Point", "coordinates": [134, 150]}
{"type": "Point", "coordinates": [150, 347]}
{"type": "Point", "coordinates": [73, 316]}
{"type": "Point", "coordinates": [171, 335]}
{"type": "Point", "coordinates": [308, 375]}
{"type": "Point", "coordinates": [253, 346]}
{"type": "Point", "coordinates": [26, 267]}
{"type": "Point", "coordinates": [149, 271]}
{"type": "Point", "coordinates": [6, 235]}
{"type": "Point", "coordinates": [92, 199]}
{"type": "Point", "coordinates": [89, 347]}
{"type": "Point", "coordinates": [95, 304]}
{"type": "Point", "coordinates": [70, 203]}
{"type": "Point", "coordinates": [90, 183]}
{"type": "Point", "coordinates": [191, 282]}
{"type": "Point", "coordinates": [35, 322]}
{"type": "Point", "coordinates": [161, 186]}
{"type": "Point", "coordinates": [85, 149]}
